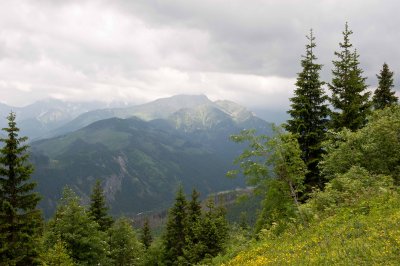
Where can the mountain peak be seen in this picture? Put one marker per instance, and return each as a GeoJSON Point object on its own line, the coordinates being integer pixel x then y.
{"type": "Point", "coordinates": [236, 111]}
{"type": "Point", "coordinates": [184, 100]}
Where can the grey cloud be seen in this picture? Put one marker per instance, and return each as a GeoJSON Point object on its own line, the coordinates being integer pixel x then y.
{"type": "Point", "coordinates": [267, 37]}
{"type": "Point", "coordinates": [142, 49]}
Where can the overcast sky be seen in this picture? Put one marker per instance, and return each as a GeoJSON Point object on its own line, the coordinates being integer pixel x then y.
{"type": "Point", "coordinates": [247, 51]}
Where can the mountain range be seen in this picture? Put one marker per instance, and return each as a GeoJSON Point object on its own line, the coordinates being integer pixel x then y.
{"type": "Point", "coordinates": [142, 153]}
{"type": "Point", "coordinates": [39, 118]}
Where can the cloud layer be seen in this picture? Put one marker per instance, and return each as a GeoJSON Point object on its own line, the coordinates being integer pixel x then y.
{"type": "Point", "coordinates": [137, 51]}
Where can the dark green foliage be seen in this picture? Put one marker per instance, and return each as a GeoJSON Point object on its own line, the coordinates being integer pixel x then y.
{"type": "Point", "coordinates": [383, 95]}
{"type": "Point", "coordinates": [244, 210]}
{"type": "Point", "coordinates": [98, 209]}
{"type": "Point", "coordinates": [146, 156]}
{"type": "Point", "coordinates": [376, 147]}
{"type": "Point", "coordinates": [175, 232]}
{"type": "Point", "coordinates": [57, 255]}
{"type": "Point", "coordinates": [192, 230]}
{"type": "Point", "coordinates": [349, 99]}
{"type": "Point", "coordinates": [275, 167]}
{"type": "Point", "coordinates": [243, 222]}
{"type": "Point", "coordinates": [277, 207]}
{"type": "Point", "coordinates": [146, 237]}
{"type": "Point", "coordinates": [213, 231]}
{"type": "Point", "coordinates": [20, 221]}
{"type": "Point", "coordinates": [194, 216]}
{"type": "Point", "coordinates": [85, 243]}
{"type": "Point", "coordinates": [154, 255]}
{"type": "Point", "coordinates": [125, 248]}
{"type": "Point", "coordinates": [192, 236]}
{"type": "Point", "coordinates": [209, 233]}
{"type": "Point", "coordinates": [309, 114]}
{"type": "Point", "coordinates": [344, 189]}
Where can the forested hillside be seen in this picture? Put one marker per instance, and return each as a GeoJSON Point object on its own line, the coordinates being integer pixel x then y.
{"type": "Point", "coordinates": [140, 163]}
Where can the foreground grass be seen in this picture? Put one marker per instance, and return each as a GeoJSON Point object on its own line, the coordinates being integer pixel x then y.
{"type": "Point", "coordinates": [365, 233]}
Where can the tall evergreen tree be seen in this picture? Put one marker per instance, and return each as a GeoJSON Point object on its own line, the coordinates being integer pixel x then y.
{"type": "Point", "coordinates": [85, 243]}
{"type": "Point", "coordinates": [309, 114]}
{"type": "Point", "coordinates": [383, 95]}
{"type": "Point", "coordinates": [193, 229]}
{"type": "Point", "coordinates": [212, 233]}
{"type": "Point", "coordinates": [125, 248]}
{"type": "Point", "coordinates": [146, 237]}
{"type": "Point", "coordinates": [175, 234]}
{"type": "Point", "coordinates": [349, 99]}
{"type": "Point", "coordinates": [20, 220]}
{"type": "Point", "coordinates": [194, 215]}
{"type": "Point", "coordinates": [98, 209]}
{"type": "Point", "coordinates": [243, 221]}
{"type": "Point", "coordinates": [57, 255]}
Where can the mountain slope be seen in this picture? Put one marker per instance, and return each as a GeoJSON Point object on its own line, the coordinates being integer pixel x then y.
{"type": "Point", "coordinates": [158, 109]}
{"type": "Point", "coordinates": [140, 163]}
{"type": "Point", "coordinates": [165, 108]}
{"type": "Point", "coordinates": [37, 119]}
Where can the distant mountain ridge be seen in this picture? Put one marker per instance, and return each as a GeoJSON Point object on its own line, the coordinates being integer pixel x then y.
{"type": "Point", "coordinates": [141, 162]}
{"type": "Point", "coordinates": [38, 119]}
{"type": "Point", "coordinates": [50, 117]}
{"type": "Point", "coordinates": [159, 109]}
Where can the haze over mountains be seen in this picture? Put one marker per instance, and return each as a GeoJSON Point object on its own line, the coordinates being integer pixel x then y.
{"type": "Point", "coordinates": [51, 117]}
{"type": "Point", "coordinates": [140, 153]}
{"type": "Point", "coordinates": [39, 118]}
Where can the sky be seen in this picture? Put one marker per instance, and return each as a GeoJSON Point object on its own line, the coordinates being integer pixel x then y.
{"type": "Point", "coordinates": [247, 51]}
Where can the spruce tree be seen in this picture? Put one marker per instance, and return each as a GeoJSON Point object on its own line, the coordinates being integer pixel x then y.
{"type": "Point", "coordinates": [309, 114]}
{"type": "Point", "coordinates": [146, 237]}
{"type": "Point", "coordinates": [20, 220]}
{"type": "Point", "coordinates": [194, 215]}
{"type": "Point", "coordinates": [383, 95]}
{"type": "Point", "coordinates": [350, 101]}
{"type": "Point", "coordinates": [98, 209]}
{"type": "Point", "coordinates": [71, 224]}
{"type": "Point", "coordinates": [214, 230]}
{"type": "Point", "coordinates": [209, 233]}
{"type": "Point", "coordinates": [57, 255]}
{"type": "Point", "coordinates": [193, 228]}
{"type": "Point", "coordinates": [243, 221]}
{"type": "Point", "coordinates": [125, 248]}
{"type": "Point", "coordinates": [175, 234]}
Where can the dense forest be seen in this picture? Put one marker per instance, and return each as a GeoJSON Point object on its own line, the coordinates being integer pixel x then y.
{"type": "Point", "coordinates": [328, 178]}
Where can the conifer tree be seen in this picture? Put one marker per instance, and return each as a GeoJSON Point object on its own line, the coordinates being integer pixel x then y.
{"type": "Point", "coordinates": [20, 220]}
{"type": "Point", "coordinates": [98, 209]}
{"type": "Point", "coordinates": [383, 95]}
{"type": "Point", "coordinates": [350, 101]}
{"type": "Point", "coordinates": [57, 255]}
{"type": "Point", "coordinates": [209, 234]}
{"type": "Point", "coordinates": [309, 114]}
{"type": "Point", "coordinates": [243, 221]}
{"type": "Point", "coordinates": [194, 215]}
{"type": "Point", "coordinates": [146, 237]}
{"type": "Point", "coordinates": [85, 243]}
{"type": "Point", "coordinates": [125, 248]}
{"type": "Point", "coordinates": [193, 229]}
{"type": "Point", "coordinates": [175, 234]}
{"type": "Point", "coordinates": [214, 230]}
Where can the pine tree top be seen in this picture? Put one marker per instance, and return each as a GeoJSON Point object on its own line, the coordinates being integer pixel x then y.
{"type": "Point", "coordinates": [384, 95]}
{"type": "Point", "coordinates": [98, 209]}
{"type": "Point", "coordinates": [349, 97]}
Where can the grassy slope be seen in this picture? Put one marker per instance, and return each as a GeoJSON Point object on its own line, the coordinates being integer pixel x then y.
{"type": "Point", "coordinates": [367, 232]}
